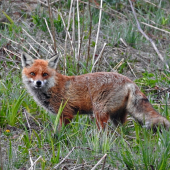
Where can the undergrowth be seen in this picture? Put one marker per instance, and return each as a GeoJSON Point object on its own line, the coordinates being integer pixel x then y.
{"type": "Point", "coordinates": [29, 135]}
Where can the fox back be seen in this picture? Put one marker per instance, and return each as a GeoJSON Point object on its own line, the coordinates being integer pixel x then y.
{"type": "Point", "coordinates": [107, 95]}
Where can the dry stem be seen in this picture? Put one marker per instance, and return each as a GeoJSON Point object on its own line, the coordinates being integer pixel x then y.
{"type": "Point", "coordinates": [78, 19]}
{"type": "Point", "coordinates": [90, 28]}
{"type": "Point", "coordinates": [64, 158]}
{"type": "Point", "coordinates": [98, 57]}
{"type": "Point", "coordinates": [33, 163]}
{"type": "Point", "coordinates": [104, 157]}
{"type": "Point", "coordinates": [95, 48]}
{"type": "Point", "coordinates": [52, 25]}
{"type": "Point", "coordinates": [155, 27]}
{"type": "Point", "coordinates": [65, 48]}
{"type": "Point", "coordinates": [149, 39]}
{"type": "Point", "coordinates": [1, 164]}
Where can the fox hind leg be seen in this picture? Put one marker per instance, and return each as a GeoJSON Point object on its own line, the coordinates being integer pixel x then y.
{"type": "Point", "coordinates": [65, 119]}
{"type": "Point", "coordinates": [101, 120]}
{"type": "Point", "coordinates": [119, 116]}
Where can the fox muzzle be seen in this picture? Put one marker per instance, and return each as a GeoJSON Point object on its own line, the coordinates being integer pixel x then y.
{"type": "Point", "coordinates": [39, 83]}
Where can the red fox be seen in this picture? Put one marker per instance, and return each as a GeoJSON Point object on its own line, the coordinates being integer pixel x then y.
{"type": "Point", "coordinates": [107, 95]}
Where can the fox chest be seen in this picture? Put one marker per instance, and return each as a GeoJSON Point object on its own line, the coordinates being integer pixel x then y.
{"type": "Point", "coordinates": [43, 99]}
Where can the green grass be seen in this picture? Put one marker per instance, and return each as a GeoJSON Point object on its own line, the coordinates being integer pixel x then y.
{"type": "Point", "coordinates": [127, 147]}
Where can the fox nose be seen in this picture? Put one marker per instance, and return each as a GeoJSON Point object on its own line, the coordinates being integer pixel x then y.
{"type": "Point", "coordinates": [38, 83]}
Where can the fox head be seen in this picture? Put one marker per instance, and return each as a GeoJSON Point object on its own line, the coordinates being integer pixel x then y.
{"type": "Point", "coordinates": [38, 73]}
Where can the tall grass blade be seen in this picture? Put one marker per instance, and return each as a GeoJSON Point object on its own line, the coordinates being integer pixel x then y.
{"type": "Point", "coordinates": [8, 17]}
{"type": "Point", "coordinates": [58, 115]}
{"type": "Point", "coordinates": [13, 110]}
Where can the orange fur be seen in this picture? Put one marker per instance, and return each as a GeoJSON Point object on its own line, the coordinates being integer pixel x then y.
{"type": "Point", "coordinates": [106, 95]}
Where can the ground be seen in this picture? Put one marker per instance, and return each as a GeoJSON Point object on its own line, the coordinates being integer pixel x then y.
{"type": "Point", "coordinates": [27, 132]}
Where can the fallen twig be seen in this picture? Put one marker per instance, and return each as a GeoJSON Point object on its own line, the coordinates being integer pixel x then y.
{"type": "Point", "coordinates": [104, 162]}
{"type": "Point", "coordinates": [33, 163]}
{"type": "Point", "coordinates": [123, 42]}
{"type": "Point", "coordinates": [25, 112]}
{"type": "Point", "coordinates": [1, 164]}
{"type": "Point", "coordinates": [35, 41]}
{"type": "Point", "coordinates": [64, 158]}
{"type": "Point", "coordinates": [155, 27]}
{"type": "Point", "coordinates": [119, 64]}
{"type": "Point", "coordinates": [104, 157]}
{"type": "Point", "coordinates": [143, 33]}
{"type": "Point", "coordinates": [131, 69]}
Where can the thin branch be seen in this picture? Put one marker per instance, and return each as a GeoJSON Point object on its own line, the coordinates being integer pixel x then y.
{"type": "Point", "coordinates": [78, 19]}
{"type": "Point", "coordinates": [95, 48]}
{"type": "Point", "coordinates": [104, 162]}
{"type": "Point", "coordinates": [73, 29]}
{"type": "Point", "coordinates": [81, 40]}
{"type": "Point", "coordinates": [52, 25]}
{"type": "Point", "coordinates": [33, 163]}
{"type": "Point", "coordinates": [123, 42]}
{"type": "Point", "coordinates": [49, 30]}
{"type": "Point", "coordinates": [1, 163]}
{"type": "Point", "coordinates": [98, 57]}
{"type": "Point", "coordinates": [8, 51]}
{"type": "Point", "coordinates": [155, 27]}
{"type": "Point", "coordinates": [21, 46]}
{"type": "Point", "coordinates": [104, 157]}
{"type": "Point", "coordinates": [50, 46]}
{"type": "Point", "coordinates": [119, 64]}
{"type": "Point", "coordinates": [156, 6]}
{"type": "Point", "coordinates": [90, 28]}
{"type": "Point", "coordinates": [25, 112]}
{"type": "Point", "coordinates": [131, 69]}
{"type": "Point", "coordinates": [9, 39]}
{"type": "Point", "coordinates": [165, 75]}
{"type": "Point", "coordinates": [110, 13]}
{"type": "Point", "coordinates": [35, 41]}
{"type": "Point", "coordinates": [64, 158]}
{"type": "Point", "coordinates": [65, 48]}
{"type": "Point", "coordinates": [34, 50]}
{"type": "Point", "coordinates": [160, 104]}
{"type": "Point", "coordinates": [67, 32]}
{"type": "Point", "coordinates": [149, 39]}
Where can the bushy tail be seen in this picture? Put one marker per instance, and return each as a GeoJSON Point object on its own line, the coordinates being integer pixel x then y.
{"type": "Point", "coordinates": [139, 107]}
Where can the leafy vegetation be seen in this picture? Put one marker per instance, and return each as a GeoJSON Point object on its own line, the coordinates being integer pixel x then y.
{"type": "Point", "coordinates": [29, 136]}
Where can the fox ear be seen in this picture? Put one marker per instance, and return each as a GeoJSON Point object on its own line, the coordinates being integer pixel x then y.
{"type": "Point", "coordinates": [53, 62]}
{"type": "Point", "coordinates": [26, 60]}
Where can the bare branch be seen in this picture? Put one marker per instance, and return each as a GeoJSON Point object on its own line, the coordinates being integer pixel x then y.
{"type": "Point", "coordinates": [149, 39]}
{"type": "Point", "coordinates": [104, 157]}
{"type": "Point", "coordinates": [1, 164]}
{"type": "Point", "coordinates": [90, 28]}
{"type": "Point", "coordinates": [98, 57]}
{"type": "Point", "coordinates": [100, 14]}
{"type": "Point", "coordinates": [64, 158]}
{"type": "Point", "coordinates": [52, 25]}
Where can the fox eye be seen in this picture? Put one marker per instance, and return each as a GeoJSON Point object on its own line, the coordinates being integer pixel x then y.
{"type": "Point", "coordinates": [32, 74]}
{"type": "Point", "coordinates": [45, 74]}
